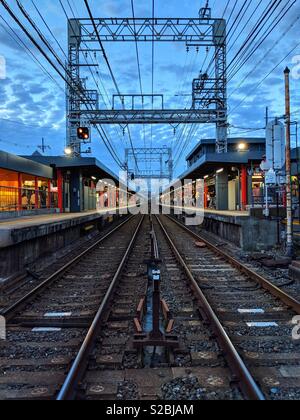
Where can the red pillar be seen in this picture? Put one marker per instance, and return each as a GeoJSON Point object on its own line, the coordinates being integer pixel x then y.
{"type": "Point", "coordinates": [19, 191]}
{"type": "Point", "coordinates": [109, 197]}
{"type": "Point", "coordinates": [117, 198]}
{"type": "Point", "coordinates": [36, 187]}
{"type": "Point", "coordinates": [244, 187]}
{"type": "Point", "coordinates": [60, 190]}
{"type": "Point", "coordinates": [205, 196]}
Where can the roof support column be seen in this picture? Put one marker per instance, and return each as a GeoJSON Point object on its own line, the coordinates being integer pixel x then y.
{"type": "Point", "coordinates": [20, 192]}
{"type": "Point", "coordinates": [60, 190]}
{"type": "Point", "coordinates": [244, 187]}
{"type": "Point", "coordinates": [222, 190]}
{"type": "Point", "coordinates": [36, 187]}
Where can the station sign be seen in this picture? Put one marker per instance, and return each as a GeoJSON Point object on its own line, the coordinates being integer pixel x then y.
{"type": "Point", "coordinates": [270, 177]}
{"type": "Point", "coordinates": [275, 145]}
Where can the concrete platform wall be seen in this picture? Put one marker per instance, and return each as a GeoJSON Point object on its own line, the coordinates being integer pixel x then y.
{"type": "Point", "coordinates": [24, 213]}
{"type": "Point", "coordinates": [248, 233]}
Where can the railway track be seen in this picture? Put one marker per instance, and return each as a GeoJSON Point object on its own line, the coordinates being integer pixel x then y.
{"type": "Point", "coordinates": [233, 329]}
{"type": "Point", "coordinates": [256, 315]}
{"type": "Point", "coordinates": [202, 366]}
{"type": "Point", "coordinates": [46, 327]}
{"type": "Point", "coordinates": [22, 283]}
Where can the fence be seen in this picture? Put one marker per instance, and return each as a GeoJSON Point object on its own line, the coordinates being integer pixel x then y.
{"type": "Point", "coordinates": [276, 197]}
{"type": "Point", "coordinates": [17, 199]}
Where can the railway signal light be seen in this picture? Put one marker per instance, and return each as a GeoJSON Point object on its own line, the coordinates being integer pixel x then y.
{"type": "Point", "coordinates": [83, 133]}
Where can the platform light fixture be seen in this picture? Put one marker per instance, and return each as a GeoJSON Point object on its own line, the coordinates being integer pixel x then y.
{"type": "Point", "coordinates": [206, 177]}
{"type": "Point", "coordinates": [68, 151]}
{"type": "Point", "coordinates": [242, 147]}
{"type": "Point", "coordinates": [219, 171]}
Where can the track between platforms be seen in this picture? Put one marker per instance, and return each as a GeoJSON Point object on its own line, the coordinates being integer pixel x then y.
{"type": "Point", "coordinates": [200, 367]}
{"type": "Point", "coordinates": [46, 327]}
{"type": "Point", "coordinates": [256, 315]}
{"type": "Point", "coordinates": [77, 337]}
{"type": "Point", "coordinates": [23, 283]}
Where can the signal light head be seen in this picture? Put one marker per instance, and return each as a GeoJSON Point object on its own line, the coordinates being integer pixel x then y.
{"type": "Point", "coordinates": [83, 133]}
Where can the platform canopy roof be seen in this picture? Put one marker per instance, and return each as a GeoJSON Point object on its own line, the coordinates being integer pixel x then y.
{"type": "Point", "coordinates": [15, 163]}
{"type": "Point", "coordinates": [203, 142]}
{"type": "Point", "coordinates": [211, 162]}
{"type": "Point", "coordinates": [88, 165]}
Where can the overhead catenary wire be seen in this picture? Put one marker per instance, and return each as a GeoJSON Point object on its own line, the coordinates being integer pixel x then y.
{"type": "Point", "coordinates": [107, 141]}
{"type": "Point", "coordinates": [192, 128]}
{"type": "Point", "coordinates": [153, 53]}
{"type": "Point", "coordinates": [267, 33]}
{"type": "Point", "coordinates": [14, 35]}
{"type": "Point", "coordinates": [49, 29]}
{"type": "Point", "coordinates": [266, 77]}
{"type": "Point", "coordinates": [109, 68]}
{"type": "Point", "coordinates": [46, 43]}
{"type": "Point", "coordinates": [41, 50]}
{"type": "Point", "coordinates": [138, 63]}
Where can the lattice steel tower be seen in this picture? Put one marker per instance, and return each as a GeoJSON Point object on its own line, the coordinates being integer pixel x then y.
{"type": "Point", "coordinates": [209, 104]}
{"type": "Point", "coordinates": [159, 159]}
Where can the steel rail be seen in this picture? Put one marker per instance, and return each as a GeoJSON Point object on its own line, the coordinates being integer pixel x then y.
{"type": "Point", "coordinates": [9, 312]}
{"type": "Point", "coordinates": [243, 377]}
{"type": "Point", "coordinates": [69, 389]}
{"type": "Point", "coordinates": [154, 242]}
{"type": "Point", "coordinates": [264, 283]}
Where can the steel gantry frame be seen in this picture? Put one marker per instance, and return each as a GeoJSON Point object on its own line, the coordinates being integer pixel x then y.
{"type": "Point", "coordinates": [161, 155]}
{"type": "Point", "coordinates": [209, 104]}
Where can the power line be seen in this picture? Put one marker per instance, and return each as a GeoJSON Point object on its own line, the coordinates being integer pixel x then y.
{"type": "Point", "coordinates": [138, 63]}
{"type": "Point", "coordinates": [266, 54]}
{"type": "Point", "coordinates": [13, 121]}
{"type": "Point", "coordinates": [153, 53]}
{"type": "Point", "coordinates": [107, 141]}
{"type": "Point", "coordinates": [42, 51]}
{"type": "Point", "coordinates": [109, 68]}
{"type": "Point", "coordinates": [22, 44]}
{"type": "Point", "coordinates": [277, 20]}
{"type": "Point", "coordinates": [266, 77]}
{"type": "Point", "coordinates": [49, 29]}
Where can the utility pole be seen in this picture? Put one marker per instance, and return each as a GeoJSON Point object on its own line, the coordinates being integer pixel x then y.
{"type": "Point", "coordinates": [289, 237]}
{"type": "Point", "coordinates": [43, 147]}
{"type": "Point", "coordinates": [267, 116]}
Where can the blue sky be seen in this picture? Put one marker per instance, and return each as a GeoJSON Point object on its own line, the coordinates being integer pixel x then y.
{"type": "Point", "coordinates": [32, 105]}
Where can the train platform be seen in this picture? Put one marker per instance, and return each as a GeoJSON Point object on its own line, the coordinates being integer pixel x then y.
{"type": "Point", "coordinates": [230, 213]}
{"type": "Point", "coordinates": [25, 240]}
{"type": "Point", "coordinates": [14, 231]}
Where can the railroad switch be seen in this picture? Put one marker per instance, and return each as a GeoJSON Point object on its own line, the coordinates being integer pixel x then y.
{"type": "Point", "coordinates": [155, 338]}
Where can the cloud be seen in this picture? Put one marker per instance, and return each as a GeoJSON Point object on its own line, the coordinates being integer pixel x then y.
{"type": "Point", "coordinates": [28, 96]}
